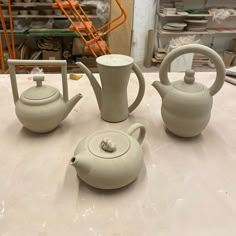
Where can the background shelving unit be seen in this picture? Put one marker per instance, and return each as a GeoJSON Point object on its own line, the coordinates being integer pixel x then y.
{"type": "Point", "coordinates": [31, 35]}
{"type": "Point", "coordinates": [213, 29]}
{"type": "Point", "coordinates": [217, 35]}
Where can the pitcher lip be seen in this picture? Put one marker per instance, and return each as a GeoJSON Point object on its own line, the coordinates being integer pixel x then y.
{"type": "Point", "coordinates": [114, 60]}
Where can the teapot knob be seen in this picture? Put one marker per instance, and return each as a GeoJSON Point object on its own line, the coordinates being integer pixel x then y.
{"type": "Point", "coordinates": [107, 145]}
{"type": "Point", "coordinates": [39, 79]}
{"type": "Point", "coordinates": [189, 76]}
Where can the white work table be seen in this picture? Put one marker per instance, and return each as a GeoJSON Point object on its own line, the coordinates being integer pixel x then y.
{"type": "Point", "coordinates": [187, 187]}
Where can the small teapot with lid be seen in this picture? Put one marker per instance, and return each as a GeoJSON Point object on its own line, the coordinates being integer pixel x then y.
{"type": "Point", "coordinates": [41, 108]}
{"type": "Point", "coordinates": [186, 105]}
{"type": "Point", "coordinates": [109, 159]}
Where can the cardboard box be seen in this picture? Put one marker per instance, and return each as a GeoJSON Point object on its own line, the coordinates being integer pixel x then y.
{"type": "Point", "coordinates": [77, 47]}
{"type": "Point", "coordinates": [52, 55]}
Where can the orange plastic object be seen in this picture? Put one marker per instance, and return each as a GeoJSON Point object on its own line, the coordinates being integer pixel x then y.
{"type": "Point", "coordinates": [12, 30]}
{"type": "Point", "coordinates": [65, 4]}
{"type": "Point", "coordinates": [2, 56]}
{"type": "Point", "coordinates": [9, 43]}
{"type": "Point", "coordinates": [80, 22]}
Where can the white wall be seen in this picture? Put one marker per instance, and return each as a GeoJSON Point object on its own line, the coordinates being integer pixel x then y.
{"type": "Point", "coordinates": [144, 19]}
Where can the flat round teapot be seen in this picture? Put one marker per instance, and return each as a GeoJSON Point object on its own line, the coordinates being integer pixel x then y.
{"type": "Point", "coordinates": [109, 159]}
{"type": "Point", "coordinates": [186, 104]}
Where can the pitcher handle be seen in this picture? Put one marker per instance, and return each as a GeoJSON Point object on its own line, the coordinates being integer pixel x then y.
{"type": "Point", "coordinates": [142, 132]}
{"type": "Point", "coordinates": [141, 90]}
{"type": "Point", "coordinates": [12, 63]}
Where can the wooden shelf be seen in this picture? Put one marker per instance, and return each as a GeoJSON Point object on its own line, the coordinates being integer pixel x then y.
{"type": "Point", "coordinates": [222, 31]}
{"type": "Point", "coordinates": [164, 32]}
{"type": "Point", "coordinates": [42, 4]}
{"type": "Point", "coordinates": [208, 31]}
{"type": "Point", "coordinates": [51, 32]}
{"type": "Point", "coordinates": [47, 16]}
{"type": "Point", "coordinates": [189, 15]}
{"type": "Point", "coordinates": [43, 32]}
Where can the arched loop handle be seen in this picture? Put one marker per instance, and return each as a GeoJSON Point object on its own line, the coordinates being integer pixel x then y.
{"type": "Point", "coordinates": [142, 132]}
{"type": "Point", "coordinates": [141, 90]}
{"type": "Point", "coordinates": [195, 48]}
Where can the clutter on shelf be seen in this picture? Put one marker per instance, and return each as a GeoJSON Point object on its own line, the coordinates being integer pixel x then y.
{"type": "Point", "coordinates": [220, 14]}
{"type": "Point", "coordinates": [196, 24]}
{"type": "Point", "coordinates": [174, 26]}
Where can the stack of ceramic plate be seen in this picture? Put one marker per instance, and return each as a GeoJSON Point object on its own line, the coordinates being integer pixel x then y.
{"type": "Point", "coordinates": [196, 25]}
{"type": "Point", "coordinates": [169, 11]}
{"type": "Point", "coordinates": [166, 5]}
{"type": "Point", "coordinates": [179, 6]}
{"type": "Point", "coordinates": [174, 26]}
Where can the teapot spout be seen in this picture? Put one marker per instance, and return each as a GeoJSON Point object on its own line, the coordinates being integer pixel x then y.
{"type": "Point", "coordinates": [71, 103]}
{"type": "Point", "coordinates": [161, 88]}
{"type": "Point", "coordinates": [81, 163]}
{"type": "Point", "coordinates": [95, 85]}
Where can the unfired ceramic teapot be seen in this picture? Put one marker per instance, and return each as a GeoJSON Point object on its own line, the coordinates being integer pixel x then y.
{"type": "Point", "coordinates": [41, 108]}
{"type": "Point", "coordinates": [109, 159]}
{"type": "Point", "coordinates": [186, 105]}
{"type": "Point", "coordinates": [114, 71]}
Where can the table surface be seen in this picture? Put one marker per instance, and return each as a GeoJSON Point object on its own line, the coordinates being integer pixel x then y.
{"type": "Point", "coordinates": [187, 187]}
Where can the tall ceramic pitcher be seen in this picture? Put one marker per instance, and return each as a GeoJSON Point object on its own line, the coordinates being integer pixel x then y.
{"type": "Point", "coordinates": [114, 71]}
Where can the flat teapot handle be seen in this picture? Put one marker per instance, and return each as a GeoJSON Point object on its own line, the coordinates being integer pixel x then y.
{"type": "Point", "coordinates": [141, 90]}
{"type": "Point", "coordinates": [142, 132]}
{"type": "Point", "coordinates": [193, 48]}
{"type": "Point", "coordinates": [12, 63]}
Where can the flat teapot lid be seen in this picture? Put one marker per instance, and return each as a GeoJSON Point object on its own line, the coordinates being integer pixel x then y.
{"type": "Point", "coordinates": [40, 93]}
{"type": "Point", "coordinates": [108, 143]}
{"type": "Point", "coordinates": [188, 85]}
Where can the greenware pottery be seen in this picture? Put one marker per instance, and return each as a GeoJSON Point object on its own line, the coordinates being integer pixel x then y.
{"type": "Point", "coordinates": [186, 105]}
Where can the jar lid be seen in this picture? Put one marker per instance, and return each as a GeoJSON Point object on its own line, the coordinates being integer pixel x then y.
{"type": "Point", "coordinates": [188, 85]}
{"type": "Point", "coordinates": [108, 143]}
{"type": "Point", "coordinates": [40, 93]}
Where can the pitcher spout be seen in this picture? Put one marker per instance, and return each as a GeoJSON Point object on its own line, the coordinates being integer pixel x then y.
{"type": "Point", "coordinates": [71, 103]}
{"type": "Point", "coordinates": [161, 88]}
{"type": "Point", "coordinates": [95, 85]}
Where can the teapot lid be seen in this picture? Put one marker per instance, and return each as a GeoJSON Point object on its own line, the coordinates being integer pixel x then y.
{"type": "Point", "coordinates": [108, 144]}
{"type": "Point", "coordinates": [188, 85]}
{"type": "Point", "coordinates": [41, 93]}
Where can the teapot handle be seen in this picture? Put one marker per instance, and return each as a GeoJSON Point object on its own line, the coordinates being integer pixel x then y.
{"type": "Point", "coordinates": [141, 90]}
{"type": "Point", "coordinates": [142, 132]}
{"type": "Point", "coordinates": [193, 48]}
{"type": "Point", "coordinates": [12, 69]}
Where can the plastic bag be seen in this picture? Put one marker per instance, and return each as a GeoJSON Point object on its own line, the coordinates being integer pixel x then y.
{"type": "Point", "coordinates": [36, 70]}
{"type": "Point", "coordinates": [183, 40]}
{"type": "Point", "coordinates": [219, 15]}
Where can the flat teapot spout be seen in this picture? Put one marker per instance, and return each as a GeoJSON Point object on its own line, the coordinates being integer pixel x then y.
{"type": "Point", "coordinates": [81, 163]}
{"type": "Point", "coordinates": [71, 103]}
{"type": "Point", "coordinates": [95, 85]}
{"type": "Point", "coordinates": [161, 88]}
